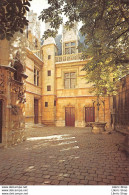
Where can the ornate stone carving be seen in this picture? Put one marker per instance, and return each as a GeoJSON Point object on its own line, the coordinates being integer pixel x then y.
{"type": "Point", "coordinates": [15, 110]}
{"type": "Point", "coordinates": [19, 89]}
{"type": "Point", "coordinates": [2, 81]}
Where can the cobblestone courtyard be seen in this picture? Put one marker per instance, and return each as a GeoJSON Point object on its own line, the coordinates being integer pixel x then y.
{"type": "Point", "coordinates": [65, 156]}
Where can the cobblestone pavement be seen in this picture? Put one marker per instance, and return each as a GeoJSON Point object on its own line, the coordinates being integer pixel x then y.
{"type": "Point", "coordinates": [65, 156]}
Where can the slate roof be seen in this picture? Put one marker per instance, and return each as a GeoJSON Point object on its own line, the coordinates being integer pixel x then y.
{"type": "Point", "coordinates": [59, 45]}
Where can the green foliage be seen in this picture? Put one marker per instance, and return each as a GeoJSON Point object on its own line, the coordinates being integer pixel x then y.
{"type": "Point", "coordinates": [12, 17]}
{"type": "Point", "coordinates": [105, 25]}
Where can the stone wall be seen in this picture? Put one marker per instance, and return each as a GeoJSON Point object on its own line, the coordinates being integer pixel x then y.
{"type": "Point", "coordinates": [120, 110]}
{"type": "Point", "coordinates": [12, 98]}
{"type": "Point", "coordinates": [33, 91]}
{"type": "Point", "coordinates": [78, 97]}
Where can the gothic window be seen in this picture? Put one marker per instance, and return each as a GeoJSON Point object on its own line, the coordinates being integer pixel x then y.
{"type": "Point", "coordinates": [70, 48]}
{"type": "Point", "coordinates": [69, 80]}
{"type": "Point", "coordinates": [36, 77]}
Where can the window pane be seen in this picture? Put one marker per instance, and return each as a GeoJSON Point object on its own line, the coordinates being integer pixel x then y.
{"type": "Point", "coordinates": [72, 43]}
{"type": "Point", "coordinates": [67, 84]}
{"type": "Point", "coordinates": [69, 80]}
{"type": "Point", "coordinates": [37, 81]}
{"type": "Point", "coordinates": [46, 104]}
{"type": "Point", "coordinates": [73, 82]}
{"type": "Point", "coordinates": [49, 72]}
{"type": "Point", "coordinates": [49, 56]}
{"type": "Point", "coordinates": [67, 44]}
{"type": "Point", "coordinates": [72, 75]}
{"type": "Point", "coordinates": [67, 75]}
{"type": "Point", "coordinates": [72, 50]}
{"type": "Point", "coordinates": [67, 51]}
{"type": "Point", "coordinates": [48, 88]}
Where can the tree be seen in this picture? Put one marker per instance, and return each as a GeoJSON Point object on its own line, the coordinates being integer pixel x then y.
{"type": "Point", "coordinates": [12, 17]}
{"type": "Point", "coordinates": [105, 25]}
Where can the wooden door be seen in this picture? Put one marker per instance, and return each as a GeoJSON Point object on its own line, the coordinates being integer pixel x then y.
{"type": "Point", "coordinates": [35, 111]}
{"type": "Point", "coordinates": [70, 116]}
{"type": "Point", "coordinates": [0, 121]}
{"type": "Point", "coordinates": [90, 114]}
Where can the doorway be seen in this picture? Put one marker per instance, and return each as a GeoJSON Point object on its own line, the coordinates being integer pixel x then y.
{"type": "Point", "coordinates": [36, 111]}
{"type": "Point", "coordinates": [1, 110]}
{"type": "Point", "coordinates": [70, 116]}
{"type": "Point", "coordinates": [89, 114]}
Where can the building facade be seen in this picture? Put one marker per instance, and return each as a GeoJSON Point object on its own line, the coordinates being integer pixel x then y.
{"type": "Point", "coordinates": [49, 87]}
{"type": "Point", "coordinates": [61, 96]}
{"type": "Point", "coordinates": [12, 97]}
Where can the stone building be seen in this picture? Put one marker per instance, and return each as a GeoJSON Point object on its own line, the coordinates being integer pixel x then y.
{"type": "Point", "coordinates": [49, 87]}
{"type": "Point", "coordinates": [56, 89]}
{"type": "Point", "coordinates": [12, 97]}
{"type": "Point", "coordinates": [19, 56]}
{"type": "Point", "coordinates": [34, 65]}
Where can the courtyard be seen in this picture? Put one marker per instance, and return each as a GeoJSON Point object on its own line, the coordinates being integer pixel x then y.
{"type": "Point", "coordinates": [65, 156]}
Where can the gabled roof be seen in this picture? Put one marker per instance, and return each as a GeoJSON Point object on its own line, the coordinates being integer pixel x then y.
{"type": "Point", "coordinates": [59, 44]}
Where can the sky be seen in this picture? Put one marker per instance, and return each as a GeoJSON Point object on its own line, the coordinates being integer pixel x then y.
{"type": "Point", "coordinates": [37, 6]}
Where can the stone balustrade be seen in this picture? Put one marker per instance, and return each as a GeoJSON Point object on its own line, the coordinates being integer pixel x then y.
{"type": "Point", "coordinates": [39, 54]}
{"type": "Point", "coordinates": [68, 57]}
{"type": "Point", "coordinates": [37, 51]}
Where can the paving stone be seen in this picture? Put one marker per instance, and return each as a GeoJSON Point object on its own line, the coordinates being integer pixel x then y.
{"type": "Point", "coordinates": [46, 176]}
{"type": "Point", "coordinates": [39, 180]}
{"type": "Point", "coordinates": [55, 182]}
{"type": "Point", "coordinates": [31, 178]}
{"type": "Point", "coordinates": [92, 183]}
{"type": "Point", "coordinates": [97, 159]}
{"type": "Point", "coordinates": [63, 183]}
{"type": "Point", "coordinates": [83, 182]}
{"type": "Point", "coordinates": [47, 182]}
{"type": "Point", "coordinates": [25, 178]}
{"type": "Point", "coordinates": [75, 180]}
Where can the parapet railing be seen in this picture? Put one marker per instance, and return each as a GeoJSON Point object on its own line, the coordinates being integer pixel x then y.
{"type": "Point", "coordinates": [68, 57]}
{"type": "Point", "coordinates": [37, 51]}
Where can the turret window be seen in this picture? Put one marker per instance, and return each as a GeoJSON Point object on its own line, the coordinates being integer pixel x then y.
{"type": "Point", "coordinates": [49, 88]}
{"type": "Point", "coordinates": [49, 73]}
{"type": "Point", "coordinates": [49, 57]}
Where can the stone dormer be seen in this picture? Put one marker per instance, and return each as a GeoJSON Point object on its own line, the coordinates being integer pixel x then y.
{"type": "Point", "coordinates": [69, 40]}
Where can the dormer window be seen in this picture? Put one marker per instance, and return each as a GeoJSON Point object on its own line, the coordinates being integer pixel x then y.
{"type": "Point", "coordinates": [70, 48]}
